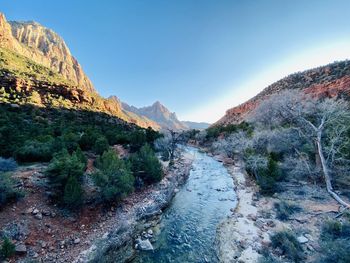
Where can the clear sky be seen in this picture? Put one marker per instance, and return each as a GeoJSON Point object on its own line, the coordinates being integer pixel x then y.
{"type": "Point", "coordinates": [197, 57]}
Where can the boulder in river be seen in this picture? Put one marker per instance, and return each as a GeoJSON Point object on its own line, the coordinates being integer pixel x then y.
{"type": "Point", "coordinates": [302, 239]}
{"type": "Point", "coordinates": [143, 244]}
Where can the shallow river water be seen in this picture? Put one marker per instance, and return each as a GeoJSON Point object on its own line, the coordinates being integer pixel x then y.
{"type": "Point", "coordinates": [188, 227]}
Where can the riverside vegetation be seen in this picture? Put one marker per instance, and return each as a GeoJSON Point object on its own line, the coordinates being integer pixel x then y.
{"type": "Point", "coordinates": [289, 138]}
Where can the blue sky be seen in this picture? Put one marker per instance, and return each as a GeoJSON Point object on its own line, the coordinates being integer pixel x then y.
{"type": "Point", "coordinates": [197, 57]}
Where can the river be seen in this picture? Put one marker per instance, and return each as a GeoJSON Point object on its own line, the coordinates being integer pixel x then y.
{"type": "Point", "coordinates": [187, 230]}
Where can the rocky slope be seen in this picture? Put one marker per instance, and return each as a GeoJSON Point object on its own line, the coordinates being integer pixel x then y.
{"type": "Point", "coordinates": [158, 113]}
{"type": "Point", "coordinates": [332, 80]}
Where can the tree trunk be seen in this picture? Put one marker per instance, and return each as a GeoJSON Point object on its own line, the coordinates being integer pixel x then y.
{"type": "Point", "coordinates": [326, 173]}
{"type": "Point", "coordinates": [317, 157]}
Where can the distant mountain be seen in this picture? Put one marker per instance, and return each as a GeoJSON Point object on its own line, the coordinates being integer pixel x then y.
{"type": "Point", "coordinates": [37, 67]}
{"type": "Point", "coordinates": [332, 80]}
{"type": "Point", "coordinates": [166, 119]}
{"type": "Point", "coordinates": [158, 113]}
{"type": "Point", "coordinates": [196, 125]}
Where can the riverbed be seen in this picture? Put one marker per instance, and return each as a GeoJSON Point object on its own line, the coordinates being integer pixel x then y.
{"type": "Point", "coordinates": [188, 227]}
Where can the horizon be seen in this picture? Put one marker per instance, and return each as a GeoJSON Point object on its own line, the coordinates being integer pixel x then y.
{"type": "Point", "coordinates": [200, 57]}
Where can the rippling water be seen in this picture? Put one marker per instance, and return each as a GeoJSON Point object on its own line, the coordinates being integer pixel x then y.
{"type": "Point", "coordinates": [188, 227]}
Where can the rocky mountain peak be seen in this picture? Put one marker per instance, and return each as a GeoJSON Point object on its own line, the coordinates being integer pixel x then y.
{"type": "Point", "coordinates": [158, 104]}
{"type": "Point", "coordinates": [158, 113]}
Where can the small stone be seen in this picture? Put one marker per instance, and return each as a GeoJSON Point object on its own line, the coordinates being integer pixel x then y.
{"type": "Point", "coordinates": [259, 223]}
{"type": "Point", "coordinates": [150, 232]}
{"type": "Point", "coordinates": [35, 211]}
{"type": "Point", "coordinates": [62, 243]}
{"type": "Point", "coordinates": [29, 210]}
{"type": "Point", "coordinates": [35, 255]}
{"type": "Point", "coordinates": [43, 244]}
{"type": "Point", "coordinates": [302, 239]}
{"type": "Point", "coordinates": [38, 216]}
{"type": "Point", "coordinates": [21, 249]}
{"type": "Point", "coordinates": [76, 241]}
{"type": "Point", "coordinates": [46, 212]}
{"type": "Point", "coordinates": [143, 245]}
{"type": "Point", "coordinates": [271, 223]}
{"type": "Point", "coordinates": [252, 217]}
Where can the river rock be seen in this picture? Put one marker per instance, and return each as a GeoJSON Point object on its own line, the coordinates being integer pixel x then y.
{"type": "Point", "coordinates": [143, 244]}
{"type": "Point", "coordinates": [21, 249]}
{"type": "Point", "coordinates": [38, 216]}
{"type": "Point", "coordinates": [35, 211]}
{"type": "Point", "coordinates": [29, 210]}
{"type": "Point", "coordinates": [302, 239]}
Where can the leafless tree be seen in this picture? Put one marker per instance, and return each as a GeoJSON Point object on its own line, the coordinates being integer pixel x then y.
{"type": "Point", "coordinates": [234, 144]}
{"type": "Point", "coordinates": [323, 122]}
{"type": "Point", "coordinates": [168, 143]}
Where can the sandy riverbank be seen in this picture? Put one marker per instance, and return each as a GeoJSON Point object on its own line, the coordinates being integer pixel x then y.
{"type": "Point", "coordinates": [238, 238]}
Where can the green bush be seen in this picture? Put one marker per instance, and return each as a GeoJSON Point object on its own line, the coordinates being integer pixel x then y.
{"type": "Point", "coordinates": [267, 257]}
{"type": "Point", "coordinates": [8, 192]}
{"type": "Point", "coordinates": [146, 166]}
{"type": "Point", "coordinates": [335, 251]}
{"type": "Point", "coordinates": [70, 141]}
{"type": "Point", "coordinates": [7, 165]}
{"type": "Point", "coordinates": [88, 139]}
{"type": "Point", "coordinates": [334, 229]}
{"type": "Point", "coordinates": [214, 131]}
{"type": "Point", "coordinates": [35, 151]}
{"type": "Point", "coordinates": [73, 193]}
{"type": "Point", "coordinates": [335, 242]}
{"type": "Point", "coordinates": [137, 139]}
{"type": "Point", "coordinates": [268, 177]}
{"type": "Point", "coordinates": [7, 248]}
{"type": "Point", "coordinates": [81, 156]}
{"type": "Point", "coordinates": [114, 177]}
{"type": "Point", "coordinates": [62, 169]}
{"type": "Point", "coordinates": [101, 145]}
{"type": "Point", "coordinates": [285, 209]}
{"type": "Point", "coordinates": [289, 245]}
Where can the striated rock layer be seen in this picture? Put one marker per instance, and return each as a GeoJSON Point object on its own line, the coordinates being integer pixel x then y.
{"type": "Point", "coordinates": [332, 80]}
